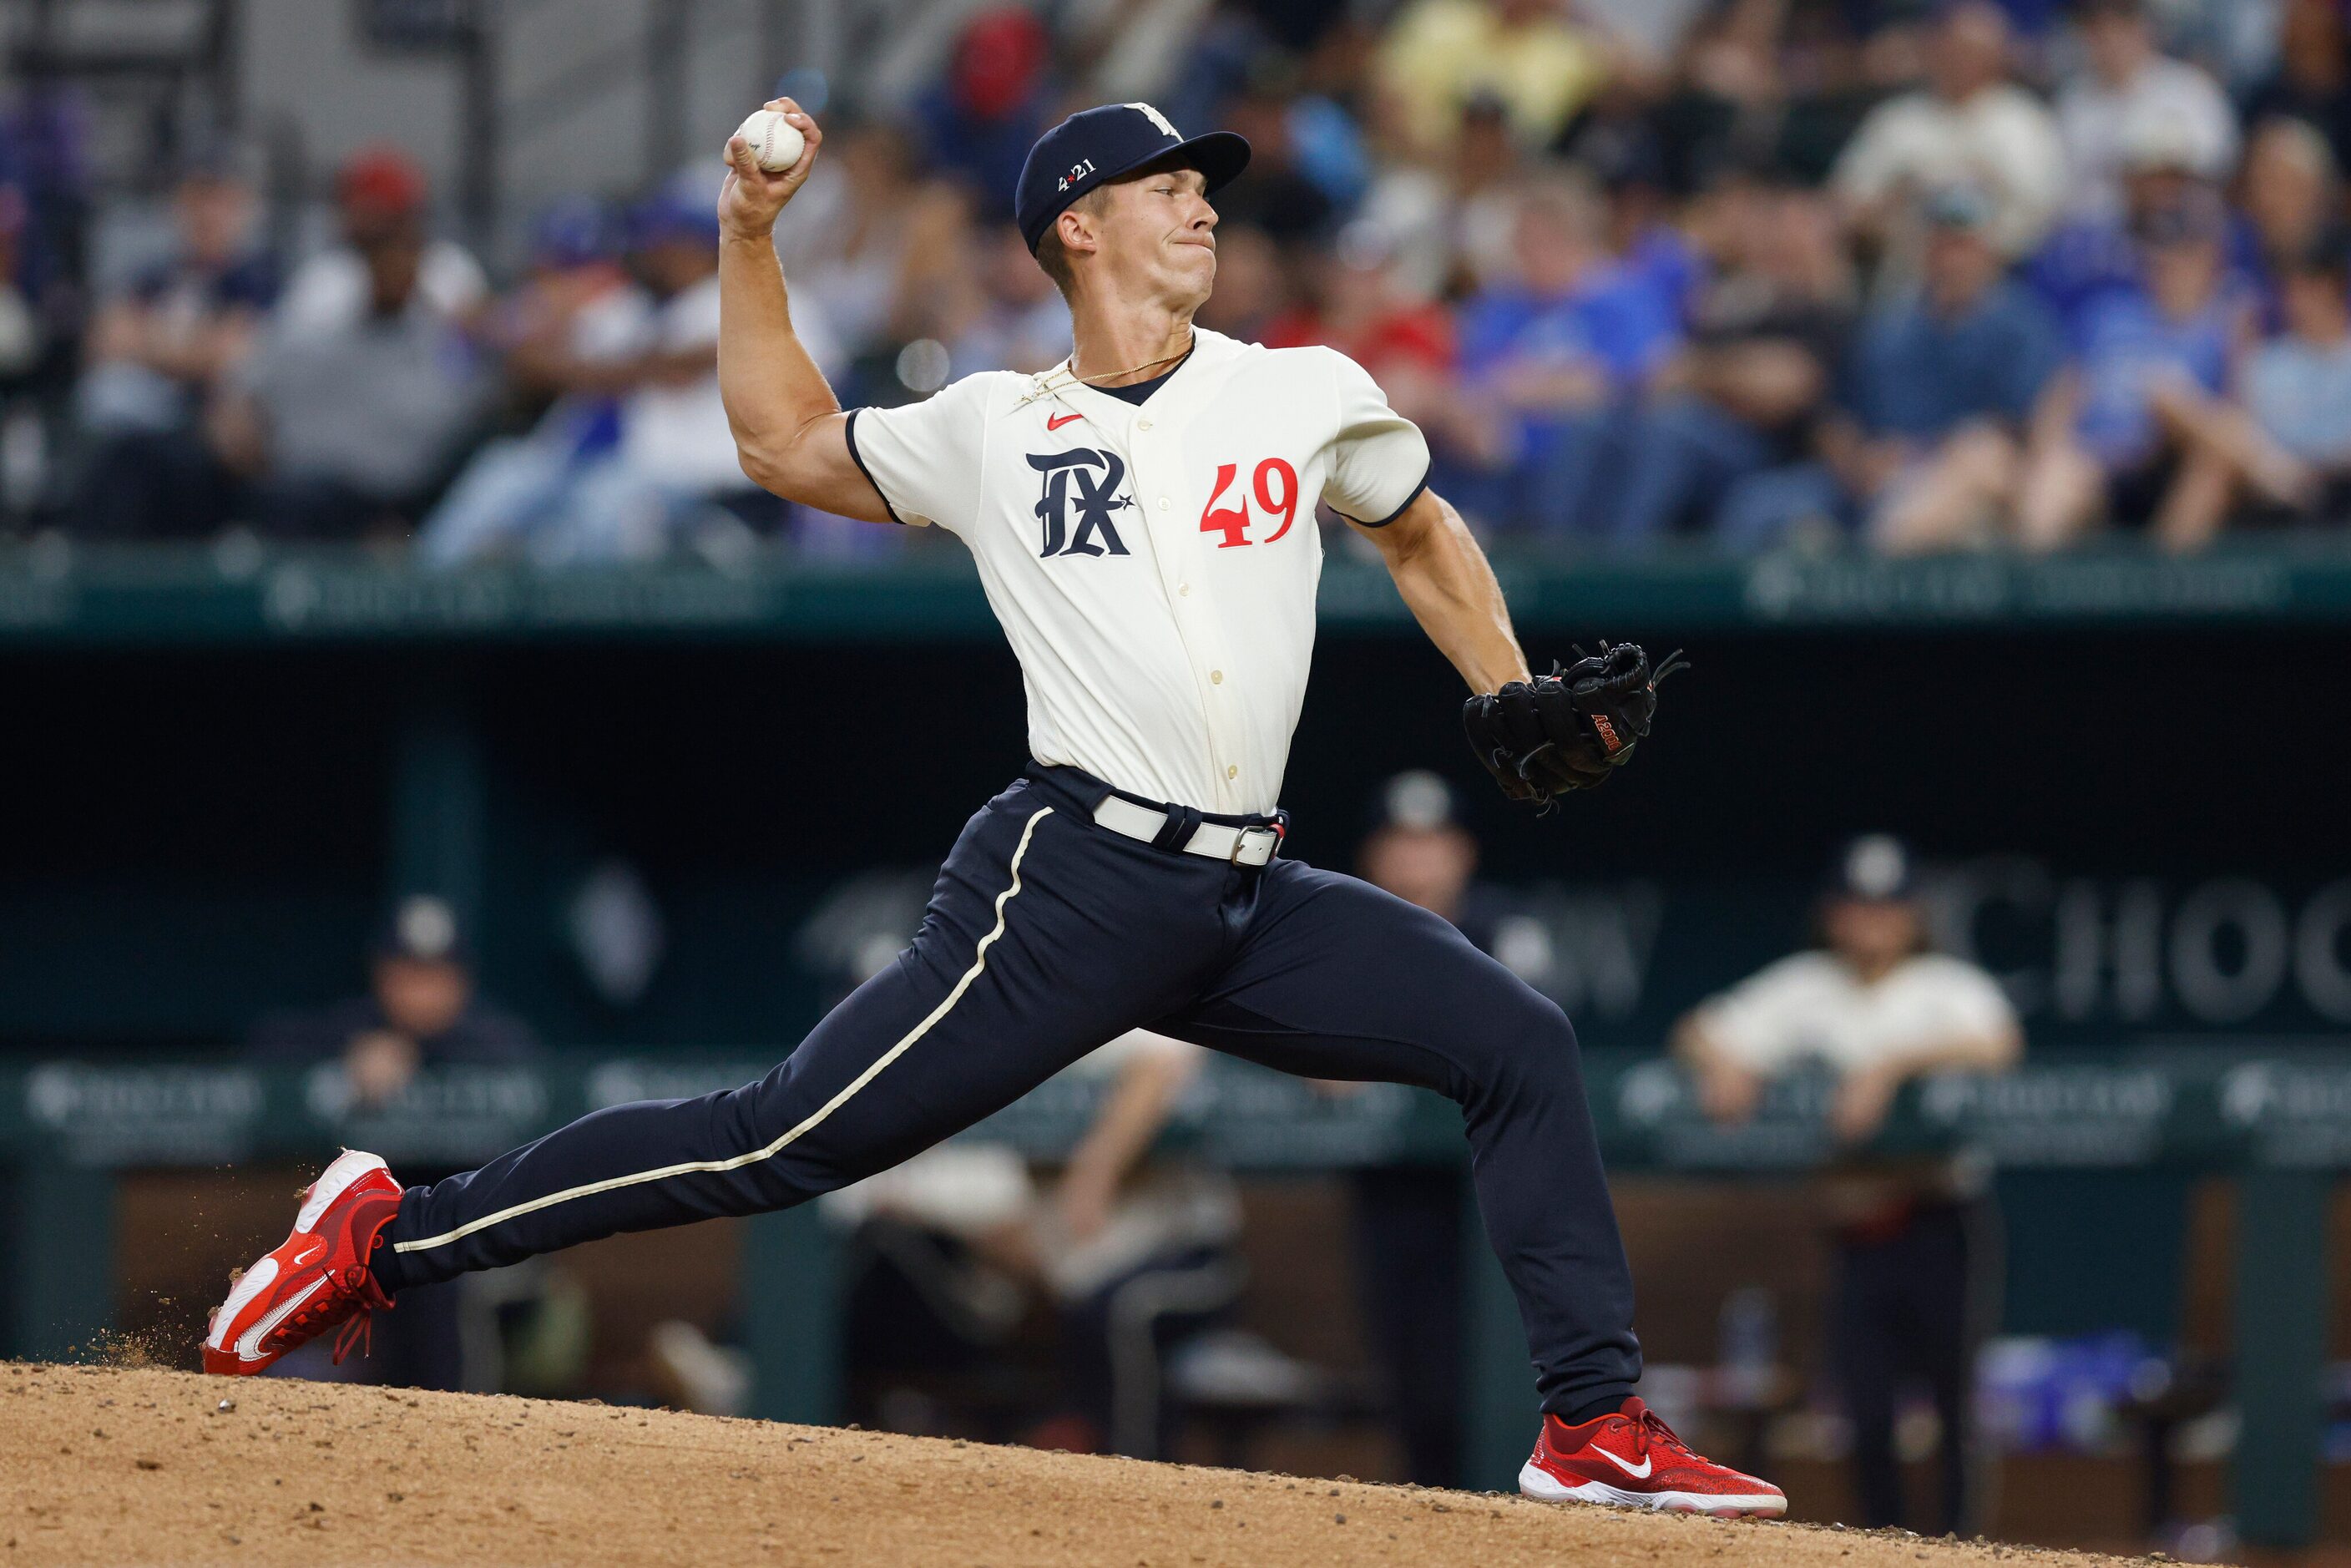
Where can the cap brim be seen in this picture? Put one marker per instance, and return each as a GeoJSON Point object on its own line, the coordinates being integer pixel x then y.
{"type": "Point", "coordinates": [1220, 156]}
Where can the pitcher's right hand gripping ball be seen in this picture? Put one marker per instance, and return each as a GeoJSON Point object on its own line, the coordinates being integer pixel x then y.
{"type": "Point", "coordinates": [1569, 729]}
{"type": "Point", "coordinates": [752, 196]}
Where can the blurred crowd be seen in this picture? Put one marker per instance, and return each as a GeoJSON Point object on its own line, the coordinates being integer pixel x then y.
{"type": "Point", "coordinates": [1763, 272]}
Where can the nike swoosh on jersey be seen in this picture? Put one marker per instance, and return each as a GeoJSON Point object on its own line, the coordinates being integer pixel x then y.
{"type": "Point", "coordinates": [1640, 1473]}
{"type": "Point", "coordinates": [1055, 421]}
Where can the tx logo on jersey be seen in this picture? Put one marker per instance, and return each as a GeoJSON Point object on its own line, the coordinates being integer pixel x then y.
{"type": "Point", "coordinates": [1080, 493]}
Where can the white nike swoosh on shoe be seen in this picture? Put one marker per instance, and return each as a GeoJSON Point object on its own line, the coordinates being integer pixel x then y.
{"type": "Point", "coordinates": [311, 1255]}
{"type": "Point", "coordinates": [249, 1343]}
{"type": "Point", "coordinates": [1641, 1474]}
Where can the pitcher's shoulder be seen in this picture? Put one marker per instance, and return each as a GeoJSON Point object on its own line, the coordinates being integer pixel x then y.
{"type": "Point", "coordinates": [1303, 366]}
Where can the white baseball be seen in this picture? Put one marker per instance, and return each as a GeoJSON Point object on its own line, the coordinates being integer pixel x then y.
{"type": "Point", "coordinates": [776, 142]}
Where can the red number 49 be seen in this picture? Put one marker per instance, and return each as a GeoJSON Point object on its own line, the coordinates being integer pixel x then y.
{"type": "Point", "coordinates": [1275, 487]}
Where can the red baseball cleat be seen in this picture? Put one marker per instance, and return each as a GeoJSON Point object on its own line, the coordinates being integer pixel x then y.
{"type": "Point", "coordinates": [1632, 1459]}
{"type": "Point", "coordinates": [317, 1278]}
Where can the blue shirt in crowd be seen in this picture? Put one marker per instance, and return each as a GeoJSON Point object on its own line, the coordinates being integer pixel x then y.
{"type": "Point", "coordinates": [1621, 318]}
{"type": "Point", "coordinates": [2300, 393]}
{"type": "Point", "coordinates": [1917, 374]}
{"type": "Point", "coordinates": [2087, 260]}
{"type": "Point", "coordinates": [2125, 347]}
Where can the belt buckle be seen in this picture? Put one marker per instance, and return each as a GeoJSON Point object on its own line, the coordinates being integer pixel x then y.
{"type": "Point", "coordinates": [1240, 841]}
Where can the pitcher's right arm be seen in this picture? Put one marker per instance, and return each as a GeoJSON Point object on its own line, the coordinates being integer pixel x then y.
{"type": "Point", "coordinates": [788, 428]}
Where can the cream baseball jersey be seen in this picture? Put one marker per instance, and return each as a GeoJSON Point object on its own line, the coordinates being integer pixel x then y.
{"type": "Point", "coordinates": [1154, 566]}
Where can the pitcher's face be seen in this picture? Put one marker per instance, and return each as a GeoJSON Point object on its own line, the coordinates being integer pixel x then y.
{"type": "Point", "coordinates": [1158, 237]}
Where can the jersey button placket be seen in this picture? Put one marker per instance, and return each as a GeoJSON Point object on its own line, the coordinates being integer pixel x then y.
{"type": "Point", "coordinates": [1182, 554]}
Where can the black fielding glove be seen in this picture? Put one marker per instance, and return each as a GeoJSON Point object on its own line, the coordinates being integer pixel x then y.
{"type": "Point", "coordinates": [1569, 729]}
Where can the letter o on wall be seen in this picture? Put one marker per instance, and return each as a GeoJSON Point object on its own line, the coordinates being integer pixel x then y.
{"type": "Point", "coordinates": [2211, 993]}
{"type": "Point", "coordinates": [2318, 954]}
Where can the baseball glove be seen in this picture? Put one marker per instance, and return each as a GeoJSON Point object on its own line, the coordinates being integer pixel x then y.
{"type": "Point", "coordinates": [1569, 729]}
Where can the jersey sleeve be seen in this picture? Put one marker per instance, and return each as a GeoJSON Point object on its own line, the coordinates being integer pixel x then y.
{"type": "Point", "coordinates": [1379, 459]}
{"type": "Point", "coordinates": [925, 457]}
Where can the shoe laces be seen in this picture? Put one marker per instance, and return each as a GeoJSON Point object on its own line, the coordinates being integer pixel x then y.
{"type": "Point", "coordinates": [1651, 1428]}
{"type": "Point", "coordinates": [352, 1300]}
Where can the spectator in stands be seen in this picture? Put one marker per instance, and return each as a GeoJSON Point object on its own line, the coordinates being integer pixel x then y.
{"type": "Point", "coordinates": [567, 331]}
{"type": "Point", "coordinates": [1548, 359]}
{"type": "Point", "coordinates": [1452, 212]}
{"type": "Point", "coordinates": [1765, 83]}
{"type": "Point", "coordinates": [2313, 80]}
{"type": "Point", "coordinates": [1642, 232]}
{"type": "Point", "coordinates": [1352, 301]}
{"type": "Point", "coordinates": [1254, 285]}
{"type": "Point", "coordinates": [1971, 125]}
{"type": "Point", "coordinates": [1441, 55]}
{"type": "Point", "coordinates": [843, 240]}
{"type": "Point", "coordinates": [2096, 253]}
{"type": "Point", "coordinates": [159, 352]}
{"type": "Point", "coordinates": [345, 425]}
{"type": "Point", "coordinates": [573, 270]}
{"type": "Point", "coordinates": [1007, 315]}
{"type": "Point", "coordinates": [1915, 1252]}
{"type": "Point", "coordinates": [2108, 440]}
{"type": "Point", "coordinates": [2286, 448]}
{"type": "Point", "coordinates": [382, 200]}
{"type": "Point", "coordinates": [1940, 388]}
{"type": "Point", "coordinates": [626, 487]}
{"type": "Point", "coordinates": [980, 121]}
{"type": "Point", "coordinates": [2128, 82]}
{"type": "Point", "coordinates": [1273, 193]}
{"type": "Point", "coordinates": [1733, 439]}
{"type": "Point", "coordinates": [2290, 196]}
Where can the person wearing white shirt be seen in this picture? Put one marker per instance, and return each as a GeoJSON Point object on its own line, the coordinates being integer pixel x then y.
{"type": "Point", "coordinates": [2129, 89]}
{"type": "Point", "coordinates": [637, 453]}
{"type": "Point", "coordinates": [1879, 1009]}
{"type": "Point", "coordinates": [1143, 517]}
{"type": "Point", "coordinates": [379, 190]}
{"type": "Point", "coordinates": [1970, 126]}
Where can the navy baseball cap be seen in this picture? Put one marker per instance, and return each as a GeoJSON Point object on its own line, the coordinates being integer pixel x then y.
{"type": "Point", "coordinates": [1095, 146]}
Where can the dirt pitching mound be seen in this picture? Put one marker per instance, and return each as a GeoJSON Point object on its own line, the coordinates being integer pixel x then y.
{"type": "Point", "coordinates": [111, 1466]}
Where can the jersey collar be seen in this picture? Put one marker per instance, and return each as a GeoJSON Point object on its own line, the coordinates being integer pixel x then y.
{"type": "Point", "coordinates": [1059, 384]}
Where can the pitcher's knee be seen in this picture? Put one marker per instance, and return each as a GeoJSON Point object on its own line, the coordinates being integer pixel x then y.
{"type": "Point", "coordinates": [1523, 1049]}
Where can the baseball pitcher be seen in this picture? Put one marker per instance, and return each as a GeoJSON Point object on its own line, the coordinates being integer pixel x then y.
{"type": "Point", "coordinates": [1144, 519]}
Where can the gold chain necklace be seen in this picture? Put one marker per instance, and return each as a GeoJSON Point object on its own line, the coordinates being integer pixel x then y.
{"type": "Point", "coordinates": [1066, 373]}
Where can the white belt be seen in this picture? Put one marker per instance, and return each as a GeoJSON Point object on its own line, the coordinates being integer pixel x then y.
{"type": "Point", "coordinates": [1216, 841]}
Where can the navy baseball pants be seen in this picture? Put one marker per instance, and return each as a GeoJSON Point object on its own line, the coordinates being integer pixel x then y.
{"type": "Point", "coordinates": [1046, 935]}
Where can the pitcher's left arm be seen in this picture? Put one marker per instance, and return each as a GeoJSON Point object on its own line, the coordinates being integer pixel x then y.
{"type": "Point", "coordinates": [1540, 736]}
{"type": "Point", "coordinates": [1450, 587]}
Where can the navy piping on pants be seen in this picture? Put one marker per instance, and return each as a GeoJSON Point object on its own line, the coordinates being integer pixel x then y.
{"type": "Point", "coordinates": [1045, 936]}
